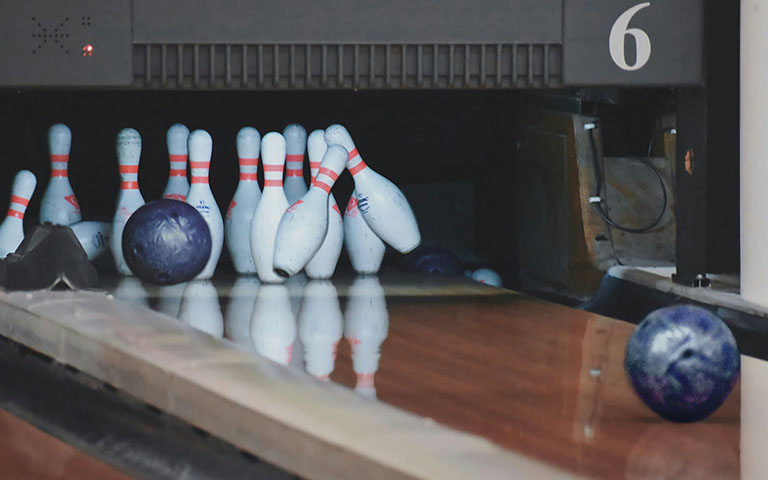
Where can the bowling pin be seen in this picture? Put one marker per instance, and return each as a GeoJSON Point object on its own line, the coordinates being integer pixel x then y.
{"type": "Point", "coordinates": [487, 276]}
{"type": "Point", "coordinates": [320, 327]}
{"type": "Point", "coordinates": [295, 146]}
{"type": "Point", "coordinates": [270, 209]}
{"type": "Point", "coordinates": [12, 228]}
{"type": "Point", "coordinates": [129, 199]}
{"type": "Point", "coordinates": [304, 224]}
{"type": "Point", "coordinates": [273, 326]}
{"type": "Point", "coordinates": [176, 139]}
{"type": "Point", "coordinates": [323, 263]}
{"type": "Point", "coordinates": [59, 205]}
{"type": "Point", "coordinates": [365, 249]}
{"type": "Point", "coordinates": [237, 221]}
{"type": "Point", "coordinates": [366, 327]}
{"type": "Point", "coordinates": [382, 204]}
{"type": "Point", "coordinates": [200, 146]}
{"type": "Point", "coordinates": [93, 236]}
{"type": "Point", "coordinates": [237, 319]}
{"type": "Point", "coordinates": [200, 307]}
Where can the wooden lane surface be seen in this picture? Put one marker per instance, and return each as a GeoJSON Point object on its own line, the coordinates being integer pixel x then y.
{"type": "Point", "coordinates": [29, 453]}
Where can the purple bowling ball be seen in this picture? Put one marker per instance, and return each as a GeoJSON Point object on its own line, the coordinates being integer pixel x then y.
{"type": "Point", "coordinates": [433, 260]}
{"type": "Point", "coordinates": [166, 242]}
{"type": "Point", "coordinates": [683, 362]}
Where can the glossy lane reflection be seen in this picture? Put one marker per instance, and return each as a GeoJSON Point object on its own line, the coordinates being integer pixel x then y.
{"type": "Point", "coordinates": [200, 308]}
{"type": "Point", "coordinates": [320, 327]}
{"type": "Point", "coordinates": [273, 325]}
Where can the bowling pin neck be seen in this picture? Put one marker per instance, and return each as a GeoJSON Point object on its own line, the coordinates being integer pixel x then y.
{"type": "Point", "coordinates": [18, 207]}
{"type": "Point", "coordinates": [178, 165]}
{"type": "Point", "coordinates": [325, 179]}
{"type": "Point", "coordinates": [199, 172]}
{"type": "Point", "coordinates": [129, 177]}
{"type": "Point", "coordinates": [294, 165]}
{"type": "Point", "coordinates": [249, 167]}
{"type": "Point", "coordinates": [355, 164]}
{"type": "Point", "coordinates": [273, 176]}
{"type": "Point", "coordinates": [59, 165]}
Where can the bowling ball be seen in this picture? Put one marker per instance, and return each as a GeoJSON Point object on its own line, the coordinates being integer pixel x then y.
{"type": "Point", "coordinates": [166, 242]}
{"type": "Point", "coordinates": [683, 362]}
{"type": "Point", "coordinates": [433, 260]}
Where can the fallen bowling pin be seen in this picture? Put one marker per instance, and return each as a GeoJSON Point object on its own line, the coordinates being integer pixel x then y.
{"type": "Point", "coordinates": [176, 140]}
{"type": "Point", "coordinates": [382, 204]}
{"type": "Point", "coordinates": [200, 146]}
{"type": "Point", "coordinates": [237, 221]}
{"type": "Point", "coordinates": [59, 205]}
{"type": "Point", "coordinates": [365, 249]}
{"type": "Point", "coordinates": [487, 276]}
{"type": "Point", "coordinates": [129, 199]}
{"type": "Point", "coordinates": [12, 228]}
{"type": "Point", "coordinates": [323, 263]}
{"type": "Point", "coordinates": [270, 209]}
{"type": "Point", "coordinates": [304, 224]}
{"type": "Point", "coordinates": [295, 146]}
{"type": "Point", "coordinates": [93, 236]}
{"type": "Point", "coordinates": [320, 327]}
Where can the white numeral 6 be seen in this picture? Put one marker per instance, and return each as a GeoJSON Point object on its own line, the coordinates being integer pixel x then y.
{"type": "Point", "coordinates": [620, 30]}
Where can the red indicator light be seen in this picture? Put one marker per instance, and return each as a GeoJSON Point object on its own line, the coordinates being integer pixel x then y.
{"type": "Point", "coordinates": [87, 50]}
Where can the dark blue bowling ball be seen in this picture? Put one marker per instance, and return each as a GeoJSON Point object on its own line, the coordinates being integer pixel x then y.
{"type": "Point", "coordinates": [166, 242]}
{"type": "Point", "coordinates": [433, 260]}
{"type": "Point", "coordinates": [683, 362]}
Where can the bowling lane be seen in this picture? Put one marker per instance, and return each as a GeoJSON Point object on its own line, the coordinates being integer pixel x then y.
{"type": "Point", "coordinates": [536, 378]}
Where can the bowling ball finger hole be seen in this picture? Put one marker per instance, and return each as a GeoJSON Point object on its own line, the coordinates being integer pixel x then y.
{"type": "Point", "coordinates": [687, 353]}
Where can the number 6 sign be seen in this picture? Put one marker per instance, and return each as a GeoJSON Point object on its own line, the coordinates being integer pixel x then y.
{"type": "Point", "coordinates": [619, 32]}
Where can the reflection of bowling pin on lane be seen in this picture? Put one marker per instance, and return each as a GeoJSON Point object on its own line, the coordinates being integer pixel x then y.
{"type": "Point", "coordinates": [296, 286]}
{"type": "Point", "coordinates": [59, 205]}
{"type": "Point", "coordinates": [169, 299]}
{"type": "Point", "coordinates": [366, 327]}
{"type": "Point", "coordinates": [295, 146]}
{"type": "Point", "coordinates": [200, 308]}
{"type": "Point", "coordinates": [93, 236]}
{"type": "Point", "coordinates": [270, 209]}
{"type": "Point", "coordinates": [130, 289]}
{"type": "Point", "coordinates": [383, 205]}
{"type": "Point", "coordinates": [176, 139]}
{"type": "Point", "coordinates": [237, 319]}
{"type": "Point", "coordinates": [304, 224]}
{"type": "Point", "coordinates": [273, 326]}
{"type": "Point", "coordinates": [323, 264]}
{"type": "Point", "coordinates": [237, 221]}
{"type": "Point", "coordinates": [200, 146]}
{"type": "Point", "coordinates": [129, 199]}
{"type": "Point", "coordinates": [320, 327]}
{"type": "Point", "coordinates": [12, 228]}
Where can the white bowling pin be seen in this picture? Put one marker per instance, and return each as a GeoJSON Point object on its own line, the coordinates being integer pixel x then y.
{"type": "Point", "coordinates": [176, 139]}
{"type": "Point", "coordinates": [270, 209]}
{"type": "Point", "coordinates": [304, 224]}
{"type": "Point", "coordinates": [93, 236]}
{"type": "Point", "coordinates": [320, 327]}
{"type": "Point", "coordinates": [129, 199]}
{"type": "Point", "coordinates": [237, 319]}
{"type": "Point", "coordinates": [487, 276]}
{"type": "Point", "coordinates": [383, 205]}
{"type": "Point", "coordinates": [59, 205]}
{"type": "Point", "coordinates": [365, 249]}
{"type": "Point", "coordinates": [200, 308]}
{"type": "Point", "coordinates": [200, 146]}
{"type": "Point", "coordinates": [237, 221]}
{"type": "Point", "coordinates": [273, 326]}
{"type": "Point", "coordinates": [323, 263]}
{"type": "Point", "coordinates": [130, 289]}
{"type": "Point", "coordinates": [12, 228]}
{"type": "Point", "coordinates": [295, 145]}
{"type": "Point", "coordinates": [366, 327]}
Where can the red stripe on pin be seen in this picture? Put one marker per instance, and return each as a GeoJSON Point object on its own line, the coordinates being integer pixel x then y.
{"type": "Point", "coordinates": [199, 180]}
{"type": "Point", "coordinates": [175, 196]}
{"type": "Point", "coordinates": [294, 173]}
{"type": "Point", "coordinates": [358, 168]}
{"type": "Point", "coordinates": [247, 176]}
{"type": "Point", "coordinates": [15, 213]}
{"type": "Point", "coordinates": [177, 172]}
{"type": "Point", "coordinates": [129, 185]}
{"type": "Point", "coordinates": [58, 158]}
{"type": "Point", "coordinates": [330, 173]}
{"type": "Point", "coordinates": [19, 200]}
{"type": "Point", "coordinates": [58, 173]}
{"type": "Point", "coordinates": [273, 168]}
{"type": "Point", "coordinates": [199, 164]}
{"type": "Point", "coordinates": [314, 164]}
{"type": "Point", "coordinates": [129, 169]}
{"type": "Point", "coordinates": [353, 153]}
{"type": "Point", "coordinates": [322, 185]}
{"type": "Point", "coordinates": [178, 158]}
{"type": "Point", "coordinates": [248, 161]}
{"type": "Point", "coordinates": [294, 158]}
{"type": "Point", "coordinates": [273, 183]}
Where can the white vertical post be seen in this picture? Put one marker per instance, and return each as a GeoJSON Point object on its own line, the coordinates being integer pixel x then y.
{"type": "Point", "coordinates": [754, 151]}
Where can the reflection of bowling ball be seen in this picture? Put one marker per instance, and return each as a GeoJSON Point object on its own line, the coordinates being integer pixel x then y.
{"type": "Point", "coordinates": [682, 361]}
{"type": "Point", "coordinates": [166, 242]}
{"type": "Point", "coordinates": [433, 260]}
